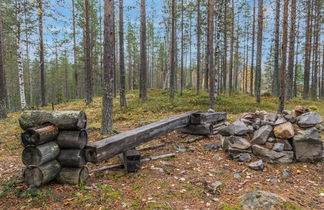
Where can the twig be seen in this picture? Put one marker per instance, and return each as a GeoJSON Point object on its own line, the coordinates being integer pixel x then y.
{"type": "Point", "coordinates": [151, 147]}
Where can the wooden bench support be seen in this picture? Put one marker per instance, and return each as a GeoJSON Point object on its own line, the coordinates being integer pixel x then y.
{"type": "Point", "coordinates": [131, 160]}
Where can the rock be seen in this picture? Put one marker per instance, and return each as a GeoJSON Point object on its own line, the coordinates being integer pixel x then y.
{"type": "Point", "coordinates": [257, 165]}
{"type": "Point", "coordinates": [238, 128]}
{"type": "Point", "coordinates": [270, 118]}
{"type": "Point", "coordinates": [309, 119]}
{"type": "Point", "coordinates": [243, 157]}
{"type": "Point", "coordinates": [237, 176]}
{"type": "Point", "coordinates": [273, 180]}
{"type": "Point", "coordinates": [257, 200]}
{"type": "Point", "coordinates": [262, 134]}
{"type": "Point", "coordinates": [271, 156]}
{"type": "Point", "coordinates": [278, 147]}
{"type": "Point", "coordinates": [287, 146]}
{"type": "Point", "coordinates": [217, 157]}
{"type": "Point", "coordinates": [268, 145]}
{"type": "Point", "coordinates": [287, 112]}
{"type": "Point", "coordinates": [247, 115]}
{"type": "Point", "coordinates": [246, 121]}
{"type": "Point", "coordinates": [211, 111]}
{"type": "Point", "coordinates": [271, 140]}
{"type": "Point", "coordinates": [233, 151]}
{"type": "Point", "coordinates": [180, 148]}
{"type": "Point", "coordinates": [212, 146]}
{"type": "Point", "coordinates": [291, 118]}
{"type": "Point", "coordinates": [280, 120]}
{"type": "Point", "coordinates": [258, 121]}
{"type": "Point", "coordinates": [286, 172]}
{"type": "Point", "coordinates": [308, 145]}
{"type": "Point", "coordinates": [213, 187]}
{"type": "Point", "coordinates": [284, 131]}
{"type": "Point", "coordinates": [300, 110]}
{"type": "Point", "coordinates": [237, 142]}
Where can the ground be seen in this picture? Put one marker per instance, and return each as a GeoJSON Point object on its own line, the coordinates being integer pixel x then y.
{"type": "Point", "coordinates": [183, 185]}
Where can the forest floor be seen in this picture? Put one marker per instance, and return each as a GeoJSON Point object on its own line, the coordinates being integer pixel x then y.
{"type": "Point", "coordinates": [183, 186]}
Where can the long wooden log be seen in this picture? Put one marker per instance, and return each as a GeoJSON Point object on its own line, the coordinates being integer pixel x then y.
{"type": "Point", "coordinates": [201, 129]}
{"type": "Point", "coordinates": [109, 147]}
{"type": "Point", "coordinates": [72, 139]}
{"type": "Point", "coordinates": [39, 135]}
{"type": "Point", "coordinates": [36, 176]}
{"type": "Point", "coordinates": [73, 175]}
{"type": "Point", "coordinates": [72, 158]}
{"type": "Point", "coordinates": [41, 154]}
{"type": "Point", "coordinates": [64, 120]}
{"type": "Point", "coordinates": [199, 118]}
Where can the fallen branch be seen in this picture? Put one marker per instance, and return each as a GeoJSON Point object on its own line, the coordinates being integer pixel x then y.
{"type": "Point", "coordinates": [149, 147]}
{"type": "Point", "coordinates": [120, 166]}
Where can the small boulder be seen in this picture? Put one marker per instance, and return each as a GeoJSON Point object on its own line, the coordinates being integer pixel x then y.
{"type": "Point", "coordinates": [278, 147]}
{"type": "Point", "coordinates": [287, 146]}
{"type": "Point", "coordinates": [257, 165]}
{"type": "Point", "coordinates": [280, 120]}
{"type": "Point", "coordinates": [271, 156]}
{"type": "Point", "coordinates": [238, 142]}
{"type": "Point", "coordinates": [300, 110]}
{"type": "Point", "coordinates": [237, 128]}
{"type": "Point", "coordinates": [284, 131]}
{"type": "Point", "coordinates": [212, 146]}
{"type": "Point", "coordinates": [270, 118]}
{"type": "Point", "coordinates": [261, 200]}
{"type": "Point", "coordinates": [308, 145]}
{"type": "Point", "coordinates": [291, 118]}
{"type": "Point", "coordinates": [262, 134]}
{"type": "Point", "coordinates": [180, 148]}
{"type": "Point", "coordinates": [237, 176]}
{"type": "Point", "coordinates": [309, 119]}
{"type": "Point", "coordinates": [243, 157]}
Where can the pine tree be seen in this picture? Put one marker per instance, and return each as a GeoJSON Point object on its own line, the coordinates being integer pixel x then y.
{"type": "Point", "coordinates": [259, 52]}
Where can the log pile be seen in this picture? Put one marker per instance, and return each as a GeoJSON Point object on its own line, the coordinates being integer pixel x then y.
{"type": "Point", "coordinates": [54, 143]}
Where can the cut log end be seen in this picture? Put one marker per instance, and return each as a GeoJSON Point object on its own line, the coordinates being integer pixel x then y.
{"type": "Point", "coordinates": [33, 176]}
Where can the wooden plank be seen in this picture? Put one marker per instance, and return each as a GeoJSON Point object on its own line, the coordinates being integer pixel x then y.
{"type": "Point", "coordinates": [199, 118]}
{"type": "Point", "coordinates": [109, 147]}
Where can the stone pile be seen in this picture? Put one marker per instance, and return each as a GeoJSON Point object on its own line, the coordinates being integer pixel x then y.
{"type": "Point", "coordinates": [275, 138]}
{"type": "Point", "coordinates": [54, 147]}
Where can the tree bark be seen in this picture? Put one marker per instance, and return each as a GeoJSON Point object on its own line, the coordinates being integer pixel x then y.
{"type": "Point", "coordinates": [173, 50]}
{"type": "Point", "coordinates": [316, 35]}
{"type": "Point", "coordinates": [109, 62]}
{"type": "Point", "coordinates": [307, 51]}
{"type": "Point", "coordinates": [87, 54]}
{"type": "Point", "coordinates": [231, 50]}
{"type": "Point", "coordinates": [275, 78]}
{"type": "Point", "coordinates": [198, 46]}
{"type": "Point", "coordinates": [121, 56]}
{"type": "Point", "coordinates": [39, 135]}
{"type": "Point", "coordinates": [41, 53]}
{"type": "Point", "coordinates": [283, 58]}
{"type": "Point", "coordinates": [259, 52]}
{"type": "Point", "coordinates": [143, 65]}
{"type": "Point", "coordinates": [41, 154]}
{"type": "Point", "coordinates": [225, 49]}
{"type": "Point", "coordinates": [182, 83]}
{"type": "Point", "coordinates": [210, 54]}
{"type": "Point", "coordinates": [252, 55]}
{"type": "Point", "coordinates": [290, 75]}
{"type": "Point", "coordinates": [3, 111]}
{"type": "Point", "coordinates": [75, 55]}
{"type": "Point", "coordinates": [73, 175]}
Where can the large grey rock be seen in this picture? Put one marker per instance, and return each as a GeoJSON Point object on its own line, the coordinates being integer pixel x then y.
{"type": "Point", "coordinates": [284, 131]}
{"type": "Point", "coordinates": [309, 119]}
{"type": "Point", "coordinates": [238, 142]}
{"type": "Point", "coordinates": [278, 147]}
{"type": "Point", "coordinates": [257, 165]}
{"type": "Point", "coordinates": [243, 157]}
{"type": "Point", "coordinates": [271, 156]}
{"type": "Point", "coordinates": [270, 118]}
{"type": "Point", "coordinates": [261, 200]}
{"type": "Point", "coordinates": [308, 145]}
{"type": "Point", "coordinates": [280, 120]}
{"type": "Point", "coordinates": [262, 134]}
{"type": "Point", "coordinates": [291, 118]}
{"type": "Point", "coordinates": [237, 128]}
{"type": "Point", "coordinates": [287, 146]}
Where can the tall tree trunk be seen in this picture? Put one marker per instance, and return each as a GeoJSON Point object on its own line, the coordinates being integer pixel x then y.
{"type": "Point", "coordinates": [290, 75]}
{"type": "Point", "coordinates": [252, 55]}
{"type": "Point", "coordinates": [283, 58]}
{"type": "Point", "coordinates": [66, 88]}
{"type": "Point", "coordinates": [225, 49]}
{"type": "Point", "coordinates": [121, 55]}
{"type": "Point", "coordinates": [108, 64]}
{"type": "Point", "coordinates": [296, 62]}
{"type": "Point", "coordinates": [259, 52]}
{"type": "Point", "coordinates": [316, 51]}
{"type": "Point", "coordinates": [29, 73]}
{"type": "Point", "coordinates": [307, 52]}
{"type": "Point", "coordinates": [3, 111]}
{"type": "Point", "coordinates": [198, 46]}
{"type": "Point", "coordinates": [173, 50]}
{"type": "Point", "coordinates": [247, 60]}
{"type": "Point", "coordinates": [322, 83]}
{"type": "Point", "coordinates": [236, 64]}
{"type": "Point", "coordinates": [231, 50]}
{"type": "Point", "coordinates": [87, 54]}
{"type": "Point", "coordinates": [41, 52]}
{"type": "Point", "coordinates": [143, 71]}
{"type": "Point", "coordinates": [75, 53]}
{"type": "Point", "coordinates": [210, 54]}
{"type": "Point", "coordinates": [275, 77]}
{"type": "Point", "coordinates": [182, 85]}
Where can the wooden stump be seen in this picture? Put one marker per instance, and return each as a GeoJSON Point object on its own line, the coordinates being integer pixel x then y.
{"type": "Point", "coordinates": [72, 158]}
{"type": "Point", "coordinates": [36, 176]}
{"type": "Point", "coordinates": [73, 175]}
{"type": "Point", "coordinates": [131, 160]}
{"type": "Point", "coordinates": [39, 135]}
{"type": "Point", "coordinates": [202, 129]}
{"type": "Point", "coordinates": [72, 139]}
{"type": "Point", "coordinates": [64, 120]}
{"type": "Point", "coordinates": [41, 154]}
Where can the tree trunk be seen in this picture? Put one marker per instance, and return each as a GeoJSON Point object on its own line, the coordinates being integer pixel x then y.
{"type": "Point", "coordinates": [315, 47]}
{"type": "Point", "coordinates": [35, 176]}
{"type": "Point", "coordinates": [41, 154]}
{"type": "Point", "coordinates": [73, 175]}
{"type": "Point", "coordinates": [64, 120]}
{"type": "Point", "coordinates": [173, 50]}
{"type": "Point", "coordinates": [29, 73]}
{"type": "Point", "coordinates": [108, 62]}
{"type": "Point", "coordinates": [225, 49]}
{"type": "Point", "coordinates": [75, 56]}
{"type": "Point", "coordinates": [252, 56]}
{"type": "Point", "coordinates": [296, 62]}
{"type": "Point", "coordinates": [182, 83]}
{"type": "Point", "coordinates": [283, 58]}
{"type": "Point", "coordinates": [290, 75]}
{"type": "Point", "coordinates": [307, 51]}
{"type": "Point", "coordinates": [198, 46]}
{"type": "Point", "coordinates": [72, 158]}
{"type": "Point", "coordinates": [210, 54]}
{"type": "Point", "coordinates": [41, 53]}
{"type": "Point", "coordinates": [72, 139]}
{"type": "Point", "coordinates": [231, 51]}
{"type": "Point", "coordinates": [143, 66]}
{"type": "Point", "coordinates": [3, 111]}
{"type": "Point", "coordinates": [322, 83]}
{"type": "Point", "coordinates": [39, 135]}
{"type": "Point", "coordinates": [87, 54]}
{"type": "Point", "coordinates": [275, 77]}
{"type": "Point", "coordinates": [259, 52]}
{"type": "Point", "coordinates": [121, 56]}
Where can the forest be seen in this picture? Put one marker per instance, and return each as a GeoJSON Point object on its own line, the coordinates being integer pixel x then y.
{"type": "Point", "coordinates": [129, 63]}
